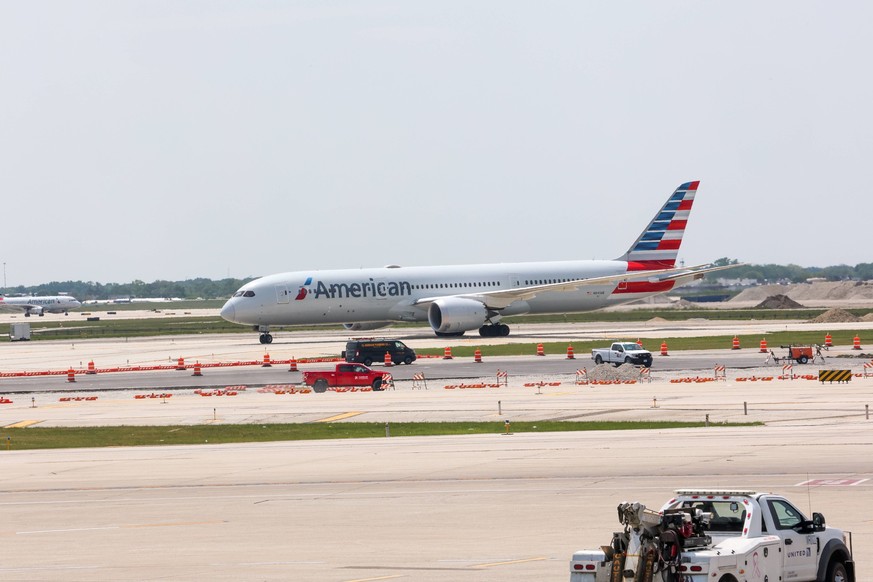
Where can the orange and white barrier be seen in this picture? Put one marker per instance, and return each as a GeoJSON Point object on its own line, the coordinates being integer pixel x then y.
{"type": "Point", "coordinates": [419, 381]}
{"type": "Point", "coordinates": [787, 372]}
{"type": "Point", "coordinates": [502, 378]}
{"type": "Point", "coordinates": [645, 375]}
{"type": "Point", "coordinates": [720, 373]}
{"type": "Point", "coordinates": [581, 377]}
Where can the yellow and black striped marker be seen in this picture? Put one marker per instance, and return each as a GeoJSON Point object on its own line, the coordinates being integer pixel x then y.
{"type": "Point", "coordinates": [834, 376]}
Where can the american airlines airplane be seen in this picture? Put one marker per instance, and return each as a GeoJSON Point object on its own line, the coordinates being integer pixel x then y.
{"type": "Point", "coordinates": [39, 305]}
{"type": "Point", "coordinates": [456, 299]}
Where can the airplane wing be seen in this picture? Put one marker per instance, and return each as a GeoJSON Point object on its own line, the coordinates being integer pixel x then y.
{"type": "Point", "coordinates": [503, 298]}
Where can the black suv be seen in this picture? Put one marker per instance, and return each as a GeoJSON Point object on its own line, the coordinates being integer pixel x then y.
{"type": "Point", "coordinates": [367, 351]}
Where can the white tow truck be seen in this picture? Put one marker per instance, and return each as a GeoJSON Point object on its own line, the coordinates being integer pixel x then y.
{"type": "Point", "coordinates": [720, 536]}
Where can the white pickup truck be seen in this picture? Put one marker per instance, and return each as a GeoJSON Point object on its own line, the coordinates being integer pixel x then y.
{"type": "Point", "coordinates": [623, 353]}
{"type": "Point", "coordinates": [719, 536]}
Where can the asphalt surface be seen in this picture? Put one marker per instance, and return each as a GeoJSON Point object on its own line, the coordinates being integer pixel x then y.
{"type": "Point", "coordinates": [467, 508]}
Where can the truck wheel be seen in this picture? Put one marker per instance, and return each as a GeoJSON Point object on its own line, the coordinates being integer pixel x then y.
{"type": "Point", "coordinates": [320, 386]}
{"type": "Point", "coordinates": [377, 384]}
{"type": "Point", "coordinates": [802, 360]}
{"type": "Point", "coordinates": [368, 362]}
{"type": "Point", "coordinates": [727, 578]}
{"type": "Point", "coordinates": [598, 359]}
{"type": "Point", "coordinates": [627, 360]}
{"type": "Point", "coordinates": [836, 572]}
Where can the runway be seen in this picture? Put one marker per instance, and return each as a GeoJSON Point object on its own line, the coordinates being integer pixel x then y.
{"type": "Point", "coordinates": [477, 508]}
{"type": "Point", "coordinates": [474, 508]}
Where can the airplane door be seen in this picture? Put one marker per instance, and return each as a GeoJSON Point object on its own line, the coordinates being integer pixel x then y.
{"type": "Point", "coordinates": [282, 295]}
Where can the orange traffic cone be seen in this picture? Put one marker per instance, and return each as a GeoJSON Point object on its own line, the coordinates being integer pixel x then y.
{"type": "Point", "coordinates": [639, 342]}
{"type": "Point", "coordinates": [856, 343]}
{"type": "Point", "coordinates": [477, 356]}
{"type": "Point", "coordinates": [71, 375]}
{"type": "Point", "coordinates": [196, 369]}
{"type": "Point", "coordinates": [266, 363]}
{"type": "Point", "coordinates": [388, 362]}
{"type": "Point", "coordinates": [181, 364]}
{"type": "Point", "coordinates": [829, 341]}
{"type": "Point", "coordinates": [447, 353]}
{"type": "Point", "coordinates": [736, 343]}
{"type": "Point", "coordinates": [292, 364]}
{"type": "Point", "coordinates": [664, 348]}
{"type": "Point", "coordinates": [540, 350]}
{"type": "Point", "coordinates": [91, 368]}
{"type": "Point", "coordinates": [763, 349]}
{"type": "Point", "coordinates": [571, 355]}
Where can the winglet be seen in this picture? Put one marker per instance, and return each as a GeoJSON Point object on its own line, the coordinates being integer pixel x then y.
{"type": "Point", "coordinates": [658, 245]}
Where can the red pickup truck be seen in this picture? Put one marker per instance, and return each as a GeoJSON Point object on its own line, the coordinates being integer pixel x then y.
{"type": "Point", "coordinates": [344, 375]}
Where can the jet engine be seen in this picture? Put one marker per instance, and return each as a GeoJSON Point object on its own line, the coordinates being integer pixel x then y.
{"type": "Point", "coordinates": [456, 314]}
{"type": "Point", "coordinates": [365, 326]}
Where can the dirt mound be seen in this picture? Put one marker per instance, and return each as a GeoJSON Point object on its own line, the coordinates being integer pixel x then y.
{"type": "Point", "coordinates": [778, 302]}
{"type": "Point", "coordinates": [662, 320]}
{"type": "Point", "coordinates": [868, 317]}
{"type": "Point", "coordinates": [810, 292]}
{"type": "Point", "coordinates": [609, 373]}
{"type": "Point", "coordinates": [836, 316]}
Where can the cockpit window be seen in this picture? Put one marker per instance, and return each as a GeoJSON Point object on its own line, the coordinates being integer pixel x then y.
{"type": "Point", "coordinates": [249, 293]}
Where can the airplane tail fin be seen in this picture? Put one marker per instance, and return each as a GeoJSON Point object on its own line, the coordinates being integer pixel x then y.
{"type": "Point", "coordinates": [658, 245]}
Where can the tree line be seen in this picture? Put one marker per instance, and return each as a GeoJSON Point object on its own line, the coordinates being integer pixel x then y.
{"type": "Point", "coordinates": [791, 273]}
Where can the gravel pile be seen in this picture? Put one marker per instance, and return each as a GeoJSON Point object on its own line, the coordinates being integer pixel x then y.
{"type": "Point", "coordinates": [608, 372]}
{"type": "Point", "coordinates": [836, 316]}
{"type": "Point", "coordinates": [778, 302]}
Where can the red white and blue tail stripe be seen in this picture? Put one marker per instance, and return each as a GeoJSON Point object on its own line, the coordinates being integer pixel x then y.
{"type": "Point", "coordinates": [658, 245]}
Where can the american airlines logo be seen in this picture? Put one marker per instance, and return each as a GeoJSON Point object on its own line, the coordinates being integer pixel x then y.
{"type": "Point", "coordinates": [371, 288]}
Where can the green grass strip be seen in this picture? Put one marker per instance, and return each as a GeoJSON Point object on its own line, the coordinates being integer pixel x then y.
{"type": "Point", "coordinates": [132, 436]}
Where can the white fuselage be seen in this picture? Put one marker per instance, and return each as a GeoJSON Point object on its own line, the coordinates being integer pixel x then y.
{"type": "Point", "coordinates": [389, 294]}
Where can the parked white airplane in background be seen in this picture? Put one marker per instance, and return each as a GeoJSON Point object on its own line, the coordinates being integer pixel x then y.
{"type": "Point", "coordinates": [456, 299]}
{"type": "Point", "coordinates": [39, 305]}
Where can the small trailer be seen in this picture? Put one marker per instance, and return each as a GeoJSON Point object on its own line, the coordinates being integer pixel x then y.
{"type": "Point", "coordinates": [800, 354]}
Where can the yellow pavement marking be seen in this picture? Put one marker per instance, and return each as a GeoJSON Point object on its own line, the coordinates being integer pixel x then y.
{"type": "Point", "coordinates": [378, 578]}
{"type": "Point", "coordinates": [507, 563]}
{"type": "Point", "coordinates": [343, 416]}
{"type": "Point", "coordinates": [23, 424]}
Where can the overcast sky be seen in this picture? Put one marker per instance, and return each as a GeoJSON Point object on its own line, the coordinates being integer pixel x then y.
{"type": "Point", "coordinates": [171, 140]}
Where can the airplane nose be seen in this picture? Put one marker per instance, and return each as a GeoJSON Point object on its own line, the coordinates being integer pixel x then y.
{"type": "Point", "coordinates": [228, 312]}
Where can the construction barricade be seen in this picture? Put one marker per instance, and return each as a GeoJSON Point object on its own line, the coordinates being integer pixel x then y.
{"type": "Point", "coordinates": [419, 381]}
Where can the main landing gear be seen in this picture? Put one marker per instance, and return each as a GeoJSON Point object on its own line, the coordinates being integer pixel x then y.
{"type": "Point", "coordinates": [494, 330]}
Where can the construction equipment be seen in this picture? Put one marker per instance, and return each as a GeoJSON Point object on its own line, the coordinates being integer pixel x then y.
{"type": "Point", "coordinates": [802, 354]}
